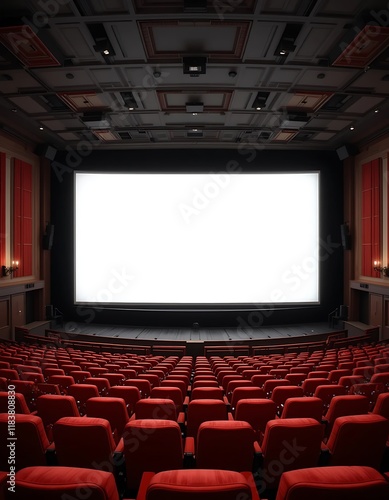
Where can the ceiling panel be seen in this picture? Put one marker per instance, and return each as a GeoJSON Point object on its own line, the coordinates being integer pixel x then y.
{"type": "Point", "coordinates": [65, 78]}
{"type": "Point", "coordinates": [28, 104]}
{"type": "Point", "coordinates": [322, 77]}
{"type": "Point", "coordinates": [12, 81]}
{"type": "Point", "coordinates": [363, 105]}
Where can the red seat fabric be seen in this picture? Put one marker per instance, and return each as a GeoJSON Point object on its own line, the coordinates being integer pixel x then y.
{"type": "Point", "coordinates": [130, 395]}
{"type": "Point", "coordinates": [207, 393]}
{"type": "Point", "coordinates": [227, 445]}
{"type": "Point", "coordinates": [333, 483]}
{"type": "Point", "coordinates": [281, 393]}
{"type": "Point", "coordinates": [156, 408]}
{"type": "Point", "coordinates": [83, 442]}
{"type": "Point", "coordinates": [203, 410]}
{"type": "Point", "coordinates": [31, 444]}
{"type": "Point", "coordinates": [303, 407]}
{"type": "Point", "coordinates": [112, 409]}
{"type": "Point", "coordinates": [296, 440]}
{"type": "Point", "coordinates": [58, 483]}
{"type": "Point", "coordinates": [197, 485]}
{"type": "Point", "coordinates": [341, 406]}
{"type": "Point", "coordinates": [53, 407]}
{"type": "Point", "coordinates": [358, 440]}
{"type": "Point", "coordinates": [153, 446]}
{"type": "Point", "coordinates": [245, 393]}
{"type": "Point", "coordinates": [20, 403]}
{"type": "Point", "coordinates": [81, 393]}
{"type": "Point", "coordinates": [257, 412]}
{"type": "Point", "coordinates": [381, 406]}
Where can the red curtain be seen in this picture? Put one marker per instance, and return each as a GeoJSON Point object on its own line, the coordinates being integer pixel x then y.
{"type": "Point", "coordinates": [22, 217]}
{"type": "Point", "coordinates": [371, 217]}
{"type": "Point", "coordinates": [2, 209]}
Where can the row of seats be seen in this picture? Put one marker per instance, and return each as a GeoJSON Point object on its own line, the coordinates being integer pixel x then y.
{"type": "Point", "coordinates": [336, 483]}
{"type": "Point", "coordinates": [230, 380]}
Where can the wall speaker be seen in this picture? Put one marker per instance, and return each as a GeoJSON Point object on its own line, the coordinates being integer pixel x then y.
{"type": "Point", "coordinates": [50, 311]}
{"type": "Point", "coordinates": [346, 151]}
{"type": "Point", "coordinates": [345, 236]}
{"type": "Point", "coordinates": [47, 151]}
{"type": "Point", "coordinates": [48, 237]}
{"type": "Point", "coordinates": [343, 312]}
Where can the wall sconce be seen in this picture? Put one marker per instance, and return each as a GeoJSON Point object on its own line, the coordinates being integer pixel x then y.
{"type": "Point", "coordinates": [7, 271]}
{"type": "Point", "coordinates": [380, 269]}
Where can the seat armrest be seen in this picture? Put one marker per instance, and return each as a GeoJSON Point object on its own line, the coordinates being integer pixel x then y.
{"type": "Point", "coordinates": [250, 479]}
{"type": "Point", "coordinates": [186, 402]}
{"type": "Point", "coordinates": [146, 478]}
{"type": "Point", "coordinates": [227, 403]}
{"type": "Point", "coordinates": [325, 455]}
{"type": "Point", "coordinates": [189, 446]}
{"type": "Point", "coordinates": [181, 421]}
{"type": "Point", "coordinates": [230, 416]}
{"type": "Point", "coordinates": [120, 446]}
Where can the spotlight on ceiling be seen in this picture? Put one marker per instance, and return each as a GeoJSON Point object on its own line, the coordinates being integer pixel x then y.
{"type": "Point", "coordinates": [287, 42]}
{"type": "Point", "coordinates": [260, 100]}
{"type": "Point", "coordinates": [194, 107]}
{"type": "Point", "coordinates": [129, 100]}
{"type": "Point", "coordinates": [194, 66]}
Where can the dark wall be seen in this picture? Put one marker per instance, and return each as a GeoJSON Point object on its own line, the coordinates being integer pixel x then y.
{"type": "Point", "coordinates": [197, 160]}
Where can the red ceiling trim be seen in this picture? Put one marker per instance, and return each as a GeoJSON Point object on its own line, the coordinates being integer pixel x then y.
{"type": "Point", "coordinates": [67, 97]}
{"type": "Point", "coordinates": [27, 46]}
{"type": "Point", "coordinates": [163, 102]}
{"type": "Point", "coordinates": [236, 54]}
{"type": "Point", "coordinates": [365, 47]}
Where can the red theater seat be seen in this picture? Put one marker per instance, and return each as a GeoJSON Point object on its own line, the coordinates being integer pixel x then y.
{"type": "Point", "coordinates": [227, 445]}
{"type": "Point", "coordinates": [292, 443]}
{"type": "Point", "coordinates": [60, 483]}
{"type": "Point", "coordinates": [303, 407]}
{"type": "Point", "coordinates": [53, 407]}
{"type": "Point", "coordinates": [130, 395]}
{"type": "Point", "coordinates": [112, 409]}
{"type": "Point", "coordinates": [20, 403]}
{"type": "Point", "coordinates": [31, 445]}
{"type": "Point", "coordinates": [358, 440]}
{"type": "Point", "coordinates": [153, 446]}
{"type": "Point", "coordinates": [341, 406]}
{"type": "Point", "coordinates": [203, 410]}
{"type": "Point", "coordinates": [197, 485]}
{"type": "Point", "coordinates": [85, 442]}
{"type": "Point", "coordinates": [257, 412]}
{"type": "Point", "coordinates": [333, 483]}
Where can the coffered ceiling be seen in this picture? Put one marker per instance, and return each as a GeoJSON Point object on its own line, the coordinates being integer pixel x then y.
{"type": "Point", "coordinates": [122, 74]}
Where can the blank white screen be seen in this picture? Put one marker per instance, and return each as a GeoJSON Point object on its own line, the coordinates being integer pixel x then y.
{"type": "Point", "coordinates": [196, 238]}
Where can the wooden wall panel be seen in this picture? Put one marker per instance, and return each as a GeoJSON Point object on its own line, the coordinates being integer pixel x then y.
{"type": "Point", "coordinates": [2, 208]}
{"type": "Point", "coordinates": [371, 217]}
{"type": "Point", "coordinates": [22, 217]}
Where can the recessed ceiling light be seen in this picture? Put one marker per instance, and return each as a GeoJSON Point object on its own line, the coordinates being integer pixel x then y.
{"type": "Point", "coordinates": [40, 128]}
{"type": "Point", "coordinates": [320, 76]}
{"type": "Point", "coordinates": [194, 114]}
{"type": "Point", "coordinates": [352, 127]}
{"type": "Point", "coordinates": [106, 52]}
{"type": "Point", "coordinates": [130, 109]}
{"type": "Point", "coordinates": [14, 110]}
{"type": "Point", "coordinates": [376, 111]}
{"type": "Point", "coordinates": [70, 76]}
{"type": "Point", "coordinates": [194, 129]}
{"type": "Point", "coordinates": [232, 74]}
{"type": "Point", "coordinates": [157, 74]}
{"type": "Point", "coordinates": [258, 108]}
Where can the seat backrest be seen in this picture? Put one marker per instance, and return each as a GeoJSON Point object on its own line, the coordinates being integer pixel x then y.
{"type": "Point", "coordinates": [203, 410]}
{"type": "Point", "coordinates": [173, 393]}
{"type": "Point", "coordinates": [52, 407]}
{"type": "Point", "coordinates": [180, 384]}
{"type": "Point", "coordinates": [83, 442]}
{"type": "Point", "coordinates": [31, 444]}
{"type": "Point", "coordinates": [327, 392]}
{"type": "Point", "coordinates": [341, 406]}
{"type": "Point", "coordinates": [335, 375]}
{"type": "Point", "coordinates": [142, 384]}
{"type": "Point", "coordinates": [206, 382]}
{"type": "Point", "coordinates": [245, 393]}
{"type": "Point", "coordinates": [101, 383]}
{"type": "Point", "coordinates": [334, 483]}
{"type": "Point", "coordinates": [20, 403]}
{"type": "Point", "coordinates": [81, 393]}
{"type": "Point", "coordinates": [153, 446]}
{"type": "Point", "coordinates": [381, 406]}
{"type": "Point", "coordinates": [110, 408]}
{"type": "Point", "coordinates": [207, 393]}
{"type": "Point", "coordinates": [130, 395]}
{"type": "Point", "coordinates": [199, 484]}
{"type": "Point", "coordinates": [303, 407]}
{"type": "Point", "coordinates": [257, 412]}
{"type": "Point", "coordinates": [295, 442]}
{"type": "Point", "coordinates": [156, 408]}
{"type": "Point", "coordinates": [358, 440]}
{"type": "Point", "coordinates": [58, 483]}
{"type": "Point", "coordinates": [63, 381]}
{"type": "Point", "coordinates": [310, 384]}
{"type": "Point", "coordinates": [227, 445]}
{"type": "Point", "coordinates": [281, 393]}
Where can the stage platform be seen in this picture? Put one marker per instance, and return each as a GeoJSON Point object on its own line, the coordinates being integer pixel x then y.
{"type": "Point", "coordinates": [181, 335]}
